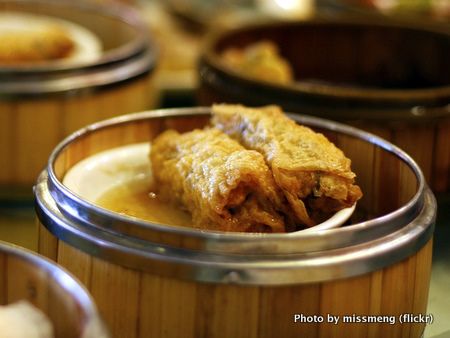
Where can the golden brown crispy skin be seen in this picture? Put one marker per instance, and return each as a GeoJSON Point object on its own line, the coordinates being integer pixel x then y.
{"type": "Point", "coordinates": [313, 173]}
{"type": "Point", "coordinates": [225, 186]}
{"type": "Point", "coordinates": [44, 44]}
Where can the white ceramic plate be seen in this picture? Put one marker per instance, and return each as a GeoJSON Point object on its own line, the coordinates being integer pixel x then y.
{"type": "Point", "coordinates": [88, 46]}
{"type": "Point", "coordinates": [97, 174]}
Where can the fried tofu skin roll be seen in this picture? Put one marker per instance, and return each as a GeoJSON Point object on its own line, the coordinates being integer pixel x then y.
{"type": "Point", "coordinates": [44, 44]}
{"type": "Point", "coordinates": [314, 175]}
{"type": "Point", "coordinates": [223, 185]}
{"type": "Point", "coordinates": [260, 60]}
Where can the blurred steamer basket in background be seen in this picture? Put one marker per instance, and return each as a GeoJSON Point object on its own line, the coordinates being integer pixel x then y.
{"type": "Point", "coordinates": [152, 279]}
{"type": "Point", "coordinates": [388, 77]}
{"type": "Point", "coordinates": [69, 308]}
{"type": "Point", "coordinates": [41, 103]}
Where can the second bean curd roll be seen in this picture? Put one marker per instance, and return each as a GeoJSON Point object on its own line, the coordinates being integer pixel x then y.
{"type": "Point", "coordinates": [314, 175]}
{"type": "Point", "coordinates": [223, 185]}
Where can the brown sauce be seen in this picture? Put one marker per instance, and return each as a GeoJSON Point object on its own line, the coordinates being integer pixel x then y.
{"type": "Point", "coordinates": [137, 201]}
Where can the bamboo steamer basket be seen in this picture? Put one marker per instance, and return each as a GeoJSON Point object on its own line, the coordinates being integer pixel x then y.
{"type": "Point", "coordinates": [150, 280]}
{"type": "Point", "coordinates": [41, 104]}
{"type": "Point", "coordinates": [53, 290]}
{"type": "Point", "coordinates": [385, 76]}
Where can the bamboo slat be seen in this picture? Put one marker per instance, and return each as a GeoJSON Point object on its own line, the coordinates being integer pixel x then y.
{"type": "Point", "coordinates": [115, 287]}
{"type": "Point", "coordinates": [3, 281]}
{"type": "Point", "coordinates": [345, 298]}
{"type": "Point", "coordinates": [440, 180]}
{"type": "Point", "coordinates": [376, 280]}
{"type": "Point", "coordinates": [37, 134]}
{"type": "Point", "coordinates": [398, 286]}
{"type": "Point", "coordinates": [179, 301]}
{"type": "Point", "coordinates": [278, 307]}
{"type": "Point", "coordinates": [73, 105]}
{"type": "Point", "coordinates": [151, 306]}
{"type": "Point", "coordinates": [47, 243]}
{"type": "Point", "coordinates": [421, 284]}
{"type": "Point", "coordinates": [7, 135]}
{"type": "Point", "coordinates": [386, 176]}
{"type": "Point", "coordinates": [76, 261]}
{"type": "Point", "coordinates": [234, 304]}
{"type": "Point", "coordinates": [419, 143]}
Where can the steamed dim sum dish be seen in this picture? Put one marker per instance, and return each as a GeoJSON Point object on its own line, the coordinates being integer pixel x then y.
{"type": "Point", "coordinates": [27, 38]}
{"type": "Point", "coordinates": [44, 44]}
{"type": "Point", "coordinates": [260, 60]}
{"type": "Point", "coordinates": [252, 170]}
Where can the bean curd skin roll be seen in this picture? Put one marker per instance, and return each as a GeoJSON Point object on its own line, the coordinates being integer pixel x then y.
{"type": "Point", "coordinates": [260, 60]}
{"type": "Point", "coordinates": [44, 44]}
{"type": "Point", "coordinates": [314, 175]}
{"type": "Point", "coordinates": [223, 185]}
